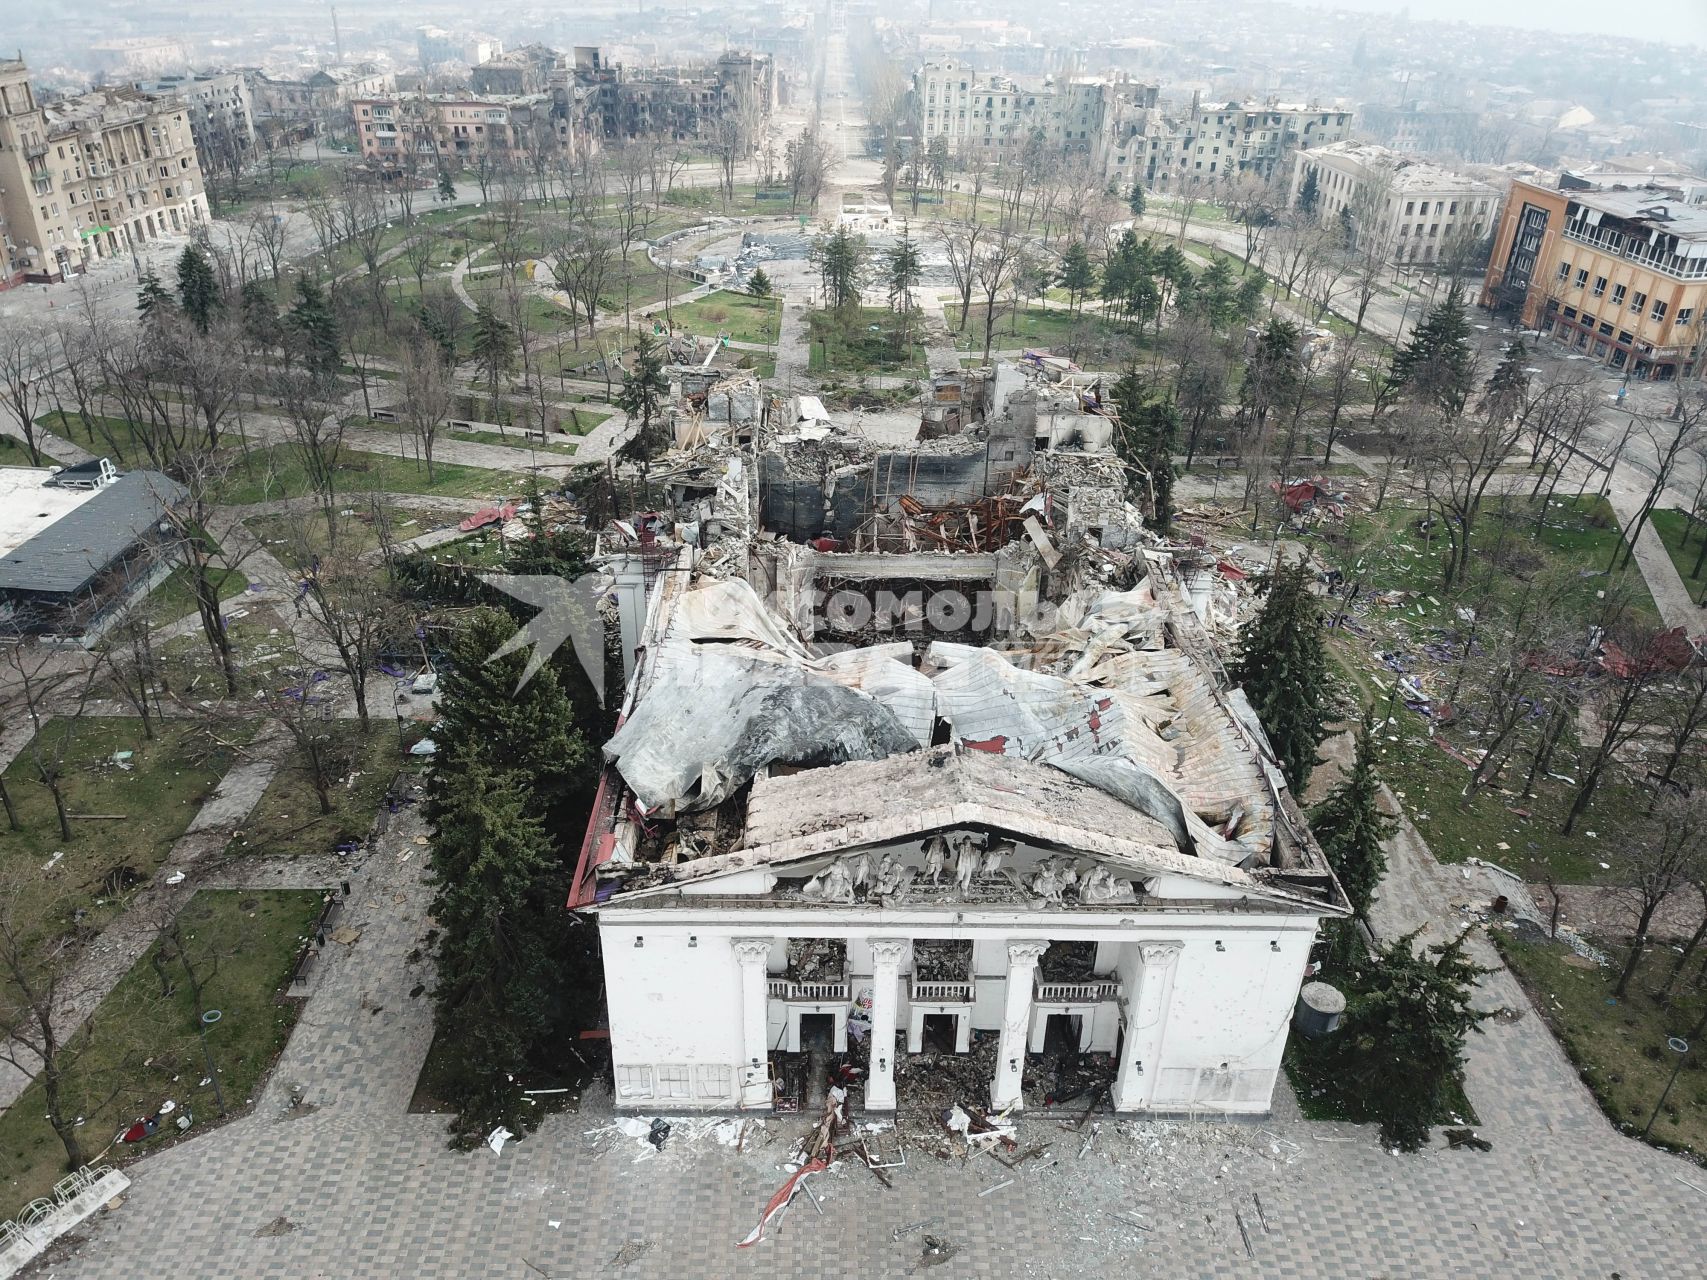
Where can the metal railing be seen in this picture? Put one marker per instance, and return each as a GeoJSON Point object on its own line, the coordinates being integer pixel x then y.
{"type": "Point", "coordinates": [1092, 992]}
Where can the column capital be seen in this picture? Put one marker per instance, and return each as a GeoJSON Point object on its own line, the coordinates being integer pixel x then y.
{"type": "Point", "coordinates": [751, 950]}
{"type": "Point", "coordinates": [1160, 954]}
{"type": "Point", "coordinates": [1025, 953]}
{"type": "Point", "coordinates": [889, 952]}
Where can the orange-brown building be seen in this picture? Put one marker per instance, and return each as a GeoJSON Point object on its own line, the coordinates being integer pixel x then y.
{"type": "Point", "coordinates": [1619, 274]}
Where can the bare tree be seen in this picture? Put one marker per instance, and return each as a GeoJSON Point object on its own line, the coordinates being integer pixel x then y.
{"type": "Point", "coordinates": [208, 556]}
{"type": "Point", "coordinates": [994, 266]}
{"type": "Point", "coordinates": [352, 611]}
{"type": "Point", "coordinates": [1657, 867]}
{"type": "Point", "coordinates": [962, 243]}
{"type": "Point", "coordinates": [311, 407]}
{"type": "Point", "coordinates": [44, 682]}
{"type": "Point", "coordinates": [1637, 659]}
{"type": "Point", "coordinates": [429, 397]}
{"type": "Point", "coordinates": [26, 375]}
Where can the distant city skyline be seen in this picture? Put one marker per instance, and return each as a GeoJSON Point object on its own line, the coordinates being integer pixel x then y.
{"type": "Point", "coordinates": [1674, 21]}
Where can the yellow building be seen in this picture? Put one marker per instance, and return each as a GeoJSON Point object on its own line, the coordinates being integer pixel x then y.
{"type": "Point", "coordinates": [1619, 274]}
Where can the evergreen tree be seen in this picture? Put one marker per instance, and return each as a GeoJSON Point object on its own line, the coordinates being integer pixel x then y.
{"type": "Point", "coordinates": [759, 284]}
{"type": "Point", "coordinates": [1401, 1047]}
{"type": "Point", "coordinates": [434, 328]}
{"type": "Point", "coordinates": [1283, 666]}
{"type": "Point", "coordinates": [494, 349]}
{"type": "Point", "coordinates": [1249, 299]}
{"type": "Point", "coordinates": [1310, 193]}
{"type": "Point", "coordinates": [152, 300]}
{"type": "Point", "coordinates": [1078, 274]}
{"type": "Point", "coordinates": [198, 291]}
{"type": "Point", "coordinates": [1215, 294]}
{"type": "Point", "coordinates": [447, 188]}
{"type": "Point", "coordinates": [1135, 200]}
{"type": "Point", "coordinates": [1273, 372]}
{"type": "Point", "coordinates": [1504, 393]}
{"type": "Point", "coordinates": [1145, 442]}
{"type": "Point", "coordinates": [642, 395]}
{"type": "Point", "coordinates": [1351, 827]}
{"type": "Point", "coordinates": [840, 258]}
{"type": "Point", "coordinates": [903, 270]}
{"type": "Point", "coordinates": [1437, 364]}
{"type": "Point", "coordinates": [314, 328]}
{"type": "Point", "coordinates": [260, 314]}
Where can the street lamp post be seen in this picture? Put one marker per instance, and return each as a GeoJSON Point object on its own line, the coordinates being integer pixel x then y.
{"type": "Point", "coordinates": [1680, 1047]}
{"type": "Point", "coordinates": [209, 1019]}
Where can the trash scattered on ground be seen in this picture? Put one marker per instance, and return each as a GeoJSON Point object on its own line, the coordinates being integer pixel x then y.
{"type": "Point", "coordinates": [633, 1251]}
{"type": "Point", "coordinates": [279, 1226]}
{"type": "Point", "coordinates": [497, 1138]}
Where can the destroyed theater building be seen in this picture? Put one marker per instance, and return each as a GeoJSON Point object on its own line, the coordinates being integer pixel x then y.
{"type": "Point", "coordinates": [928, 750]}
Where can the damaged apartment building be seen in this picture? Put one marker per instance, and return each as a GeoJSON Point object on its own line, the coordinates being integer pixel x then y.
{"type": "Point", "coordinates": [928, 770]}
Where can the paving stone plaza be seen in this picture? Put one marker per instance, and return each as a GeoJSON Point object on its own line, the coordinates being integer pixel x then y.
{"type": "Point", "coordinates": [365, 1189]}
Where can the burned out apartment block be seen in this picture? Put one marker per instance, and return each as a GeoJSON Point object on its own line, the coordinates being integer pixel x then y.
{"type": "Point", "coordinates": [928, 770]}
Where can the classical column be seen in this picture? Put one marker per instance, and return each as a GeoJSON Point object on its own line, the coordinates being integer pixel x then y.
{"type": "Point", "coordinates": [1146, 1022]}
{"type": "Point", "coordinates": [886, 957]}
{"type": "Point", "coordinates": [753, 954]}
{"type": "Point", "coordinates": [1016, 1024]}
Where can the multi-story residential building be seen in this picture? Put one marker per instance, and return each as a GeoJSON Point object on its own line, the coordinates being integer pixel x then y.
{"type": "Point", "coordinates": [516, 71]}
{"type": "Point", "coordinates": [981, 113]}
{"type": "Point", "coordinates": [319, 99]}
{"type": "Point", "coordinates": [222, 118]}
{"type": "Point", "coordinates": [1618, 273]}
{"type": "Point", "coordinates": [92, 176]}
{"type": "Point", "coordinates": [1413, 207]}
{"type": "Point", "coordinates": [1209, 143]}
{"type": "Point", "coordinates": [681, 103]}
{"type": "Point", "coordinates": [432, 131]}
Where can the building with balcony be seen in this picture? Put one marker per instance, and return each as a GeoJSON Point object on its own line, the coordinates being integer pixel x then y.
{"type": "Point", "coordinates": [982, 113]}
{"type": "Point", "coordinates": [1211, 144]}
{"type": "Point", "coordinates": [91, 176]}
{"type": "Point", "coordinates": [1619, 273]}
{"type": "Point", "coordinates": [999, 833]}
{"type": "Point", "coordinates": [422, 133]}
{"type": "Point", "coordinates": [222, 118]}
{"type": "Point", "coordinates": [1413, 207]}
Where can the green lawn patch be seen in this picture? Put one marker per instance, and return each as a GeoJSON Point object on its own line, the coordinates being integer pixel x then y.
{"type": "Point", "coordinates": [1046, 328]}
{"type": "Point", "coordinates": [860, 340]}
{"type": "Point", "coordinates": [737, 316]}
{"type": "Point", "coordinates": [144, 1048]}
{"type": "Point", "coordinates": [14, 454]}
{"type": "Point", "coordinates": [175, 596]}
{"type": "Point", "coordinates": [158, 788]}
{"type": "Point", "coordinates": [288, 823]}
{"type": "Point", "coordinates": [115, 438]}
{"type": "Point", "coordinates": [1619, 1046]}
{"type": "Point", "coordinates": [1674, 527]}
{"type": "Point", "coordinates": [277, 472]}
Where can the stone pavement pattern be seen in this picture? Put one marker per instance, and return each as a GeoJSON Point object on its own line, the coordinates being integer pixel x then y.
{"type": "Point", "coordinates": [370, 1190]}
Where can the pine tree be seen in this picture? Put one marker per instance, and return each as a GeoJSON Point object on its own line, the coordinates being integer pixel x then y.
{"type": "Point", "coordinates": [1078, 274]}
{"type": "Point", "coordinates": [1145, 443]}
{"type": "Point", "coordinates": [1215, 294]}
{"type": "Point", "coordinates": [840, 258]}
{"type": "Point", "coordinates": [198, 291]}
{"type": "Point", "coordinates": [1503, 395]}
{"type": "Point", "coordinates": [152, 300]}
{"type": "Point", "coordinates": [759, 284]}
{"type": "Point", "coordinates": [1351, 827]}
{"type": "Point", "coordinates": [1250, 295]}
{"type": "Point", "coordinates": [494, 349]}
{"type": "Point", "coordinates": [1437, 363]}
{"type": "Point", "coordinates": [1310, 193]}
{"type": "Point", "coordinates": [314, 327]}
{"type": "Point", "coordinates": [260, 314]}
{"type": "Point", "coordinates": [642, 395]}
{"type": "Point", "coordinates": [447, 188]}
{"type": "Point", "coordinates": [1283, 667]}
{"type": "Point", "coordinates": [1135, 200]}
{"type": "Point", "coordinates": [903, 270]}
{"type": "Point", "coordinates": [1273, 371]}
{"type": "Point", "coordinates": [1401, 1047]}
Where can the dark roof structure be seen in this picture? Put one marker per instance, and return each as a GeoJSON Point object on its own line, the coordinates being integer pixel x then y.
{"type": "Point", "coordinates": [73, 550]}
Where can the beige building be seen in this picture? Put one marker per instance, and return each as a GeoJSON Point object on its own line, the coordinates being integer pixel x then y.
{"type": "Point", "coordinates": [90, 177]}
{"type": "Point", "coordinates": [1210, 144]}
{"type": "Point", "coordinates": [978, 112]}
{"type": "Point", "coordinates": [1412, 206]}
{"type": "Point", "coordinates": [427, 132]}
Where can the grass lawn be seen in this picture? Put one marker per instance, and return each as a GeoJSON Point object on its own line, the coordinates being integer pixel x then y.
{"type": "Point", "coordinates": [1619, 1046]}
{"type": "Point", "coordinates": [286, 535]}
{"type": "Point", "coordinates": [163, 788]}
{"type": "Point", "coordinates": [1418, 633]}
{"type": "Point", "coordinates": [856, 340]}
{"type": "Point", "coordinates": [145, 1049]}
{"type": "Point", "coordinates": [1673, 526]}
{"type": "Point", "coordinates": [1049, 328]}
{"type": "Point", "coordinates": [113, 437]}
{"type": "Point", "coordinates": [175, 596]}
{"type": "Point", "coordinates": [738, 316]}
{"type": "Point", "coordinates": [14, 454]}
{"type": "Point", "coordinates": [277, 472]}
{"type": "Point", "coordinates": [288, 821]}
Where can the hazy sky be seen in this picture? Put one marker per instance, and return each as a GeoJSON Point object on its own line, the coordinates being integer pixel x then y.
{"type": "Point", "coordinates": [1673, 20]}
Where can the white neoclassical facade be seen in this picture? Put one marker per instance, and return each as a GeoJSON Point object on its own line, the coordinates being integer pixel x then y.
{"type": "Point", "coordinates": [882, 847]}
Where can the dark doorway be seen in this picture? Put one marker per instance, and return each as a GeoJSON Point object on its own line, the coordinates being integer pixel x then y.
{"type": "Point", "coordinates": [817, 1032]}
{"type": "Point", "coordinates": [1061, 1035]}
{"type": "Point", "coordinates": [939, 1033]}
